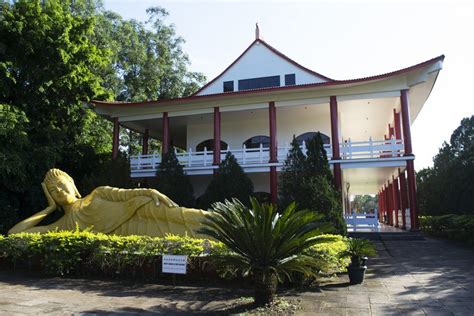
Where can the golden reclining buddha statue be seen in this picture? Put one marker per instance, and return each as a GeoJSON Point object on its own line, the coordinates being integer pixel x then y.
{"type": "Point", "coordinates": [111, 211]}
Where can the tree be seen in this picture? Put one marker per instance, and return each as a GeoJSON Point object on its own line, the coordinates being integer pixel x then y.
{"type": "Point", "coordinates": [106, 171]}
{"type": "Point", "coordinates": [47, 68]}
{"type": "Point", "coordinates": [230, 182]}
{"type": "Point", "coordinates": [264, 243]}
{"type": "Point", "coordinates": [447, 187]}
{"type": "Point", "coordinates": [365, 203]}
{"type": "Point", "coordinates": [55, 56]}
{"type": "Point", "coordinates": [308, 181]}
{"type": "Point", "coordinates": [291, 175]}
{"type": "Point", "coordinates": [13, 169]}
{"type": "Point", "coordinates": [172, 181]}
{"type": "Point", "coordinates": [146, 63]}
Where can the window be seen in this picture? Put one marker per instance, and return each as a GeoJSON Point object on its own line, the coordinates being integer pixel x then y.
{"type": "Point", "coordinates": [262, 82]}
{"type": "Point", "coordinates": [254, 142]}
{"type": "Point", "coordinates": [309, 135]}
{"type": "Point", "coordinates": [290, 79]}
{"type": "Point", "coordinates": [209, 145]}
{"type": "Point", "coordinates": [228, 86]}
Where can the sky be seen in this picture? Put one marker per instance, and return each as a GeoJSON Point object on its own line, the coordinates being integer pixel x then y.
{"type": "Point", "coordinates": [341, 40]}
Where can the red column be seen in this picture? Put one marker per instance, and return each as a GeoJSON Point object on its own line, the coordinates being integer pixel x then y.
{"type": "Point", "coordinates": [398, 127]}
{"type": "Point", "coordinates": [145, 137]}
{"type": "Point", "coordinates": [391, 131]}
{"type": "Point", "coordinates": [412, 195]}
{"type": "Point", "coordinates": [381, 206]}
{"type": "Point", "coordinates": [335, 142]}
{"type": "Point", "coordinates": [410, 164]}
{"type": "Point", "coordinates": [390, 202]}
{"type": "Point", "coordinates": [396, 200]}
{"type": "Point", "coordinates": [273, 185]}
{"type": "Point", "coordinates": [166, 135]}
{"type": "Point", "coordinates": [217, 137]}
{"type": "Point", "coordinates": [387, 204]}
{"type": "Point", "coordinates": [115, 138]}
{"type": "Point", "coordinates": [406, 122]}
{"type": "Point", "coordinates": [378, 205]}
{"type": "Point", "coordinates": [273, 132]}
{"type": "Point", "coordinates": [403, 197]}
{"type": "Point", "coordinates": [273, 152]}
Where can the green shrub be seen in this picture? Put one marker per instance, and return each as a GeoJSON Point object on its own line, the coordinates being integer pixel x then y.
{"type": "Point", "coordinates": [309, 182]}
{"type": "Point", "coordinates": [451, 226]}
{"type": "Point", "coordinates": [328, 254]}
{"type": "Point", "coordinates": [230, 182]}
{"type": "Point", "coordinates": [173, 182]}
{"type": "Point", "coordinates": [82, 253]}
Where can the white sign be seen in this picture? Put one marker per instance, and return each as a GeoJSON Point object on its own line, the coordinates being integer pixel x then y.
{"type": "Point", "coordinates": [174, 264]}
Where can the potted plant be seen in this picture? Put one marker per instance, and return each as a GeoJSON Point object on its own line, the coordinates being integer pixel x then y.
{"type": "Point", "coordinates": [358, 249]}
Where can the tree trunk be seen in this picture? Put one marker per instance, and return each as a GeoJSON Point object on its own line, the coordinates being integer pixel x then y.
{"type": "Point", "coordinates": [265, 287]}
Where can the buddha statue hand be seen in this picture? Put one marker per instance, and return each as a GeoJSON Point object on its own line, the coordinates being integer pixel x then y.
{"type": "Point", "coordinates": [28, 225]}
{"type": "Point", "coordinates": [49, 198]}
{"type": "Point", "coordinates": [159, 197]}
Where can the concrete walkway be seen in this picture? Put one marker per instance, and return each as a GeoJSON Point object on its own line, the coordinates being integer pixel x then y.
{"type": "Point", "coordinates": [428, 277]}
{"type": "Point", "coordinates": [422, 277]}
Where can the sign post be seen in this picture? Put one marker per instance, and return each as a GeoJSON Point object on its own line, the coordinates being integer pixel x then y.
{"type": "Point", "coordinates": [174, 264]}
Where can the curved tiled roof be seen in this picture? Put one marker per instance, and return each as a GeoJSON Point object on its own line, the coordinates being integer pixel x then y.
{"type": "Point", "coordinates": [274, 50]}
{"type": "Point", "coordinates": [270, 89]}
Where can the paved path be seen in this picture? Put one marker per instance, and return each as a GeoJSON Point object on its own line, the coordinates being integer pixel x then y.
{"type": "Point", "coordinates": [428, 277]}
{"type": "Point", "coordinates": [407, 278]}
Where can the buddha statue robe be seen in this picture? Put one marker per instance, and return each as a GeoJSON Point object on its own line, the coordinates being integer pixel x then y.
{"type": "Point", "coordinates": [112, 211]}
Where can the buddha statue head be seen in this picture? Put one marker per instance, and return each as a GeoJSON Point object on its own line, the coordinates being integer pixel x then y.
{"type": "Point", "coordinates": [61, 187]}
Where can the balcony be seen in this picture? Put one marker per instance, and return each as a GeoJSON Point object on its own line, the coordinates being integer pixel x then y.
{"type": "Point", "coordinates": [256, 159]}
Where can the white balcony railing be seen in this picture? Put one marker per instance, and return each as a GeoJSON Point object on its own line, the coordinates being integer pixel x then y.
{"type": "Point", "coordinates": [255, 157]}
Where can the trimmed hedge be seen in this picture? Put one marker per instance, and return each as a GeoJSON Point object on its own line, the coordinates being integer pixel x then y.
{"type": "Point", "coordinates": [85, 254]}
{"type": "Point", "coordinates": [451, 226]}
{"type": "Point", "coordinates": [329, 254]}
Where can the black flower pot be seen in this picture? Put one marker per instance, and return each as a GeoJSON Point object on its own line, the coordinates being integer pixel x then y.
{"type": "Point", "coordinates": [356, 274]}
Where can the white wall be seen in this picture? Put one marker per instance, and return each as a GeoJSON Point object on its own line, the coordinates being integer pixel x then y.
{"type": "Point", "coordinates": [237, 127]}
{"type": "Point", "coordinates": [259, 61]}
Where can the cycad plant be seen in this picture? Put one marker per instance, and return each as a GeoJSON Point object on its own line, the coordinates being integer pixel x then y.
{"type": "Point", "coordinates": [265, 243]}
{"type": "Point", "coordinates": [358, 249]}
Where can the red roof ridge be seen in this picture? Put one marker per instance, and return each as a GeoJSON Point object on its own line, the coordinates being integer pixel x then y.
{"type": "Point", "coordinates": [274, 50]}
{"type": "Point", "coordinates": [292, 87]}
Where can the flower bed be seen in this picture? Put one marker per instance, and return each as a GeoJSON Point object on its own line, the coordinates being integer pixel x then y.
{"type": "Point", "coordinates": [86, 254]}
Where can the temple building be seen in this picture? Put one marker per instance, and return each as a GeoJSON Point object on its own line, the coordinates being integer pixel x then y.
{"type": "Point", "coordinates": [263, 99]}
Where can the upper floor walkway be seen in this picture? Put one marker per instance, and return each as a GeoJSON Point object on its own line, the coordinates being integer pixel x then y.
{"type": "Point", "coordinates": [381, 152]}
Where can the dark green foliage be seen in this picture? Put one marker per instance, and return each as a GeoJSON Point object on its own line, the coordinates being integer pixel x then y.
{"type": "Point", "coordinates": [86, 254]}
{"type": "Point", "coordinates": [357, 249]}
{"type": "Point", "coordinates": [292, 174]}
{"type": "Point", "coordinates": [230, 182]}
{"type": "Point", "coordinates": [57, 55]}
{"type": "Point", "coordinates": [451, 226]}
{"type": "Point", "coordinates": [308, 181]}
{"type": "Point", "coordinates": [83, 253]}
{"type": "Point", "coordinates": [107, 171]}
{"type": "Point", "coordinates": [365, 203]}
{"type": "Point", "coordinates": [47, 68]}
{"type": "Point", "coordinates": [265, 243]}
{"type": "Point", "coordinates": [447, 187]}
{"type": "Point", "coordinates": [172, 181]}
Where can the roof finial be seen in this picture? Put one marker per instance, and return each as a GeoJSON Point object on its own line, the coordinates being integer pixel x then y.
{"type": "Point", "coordinates": [257, 31]}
